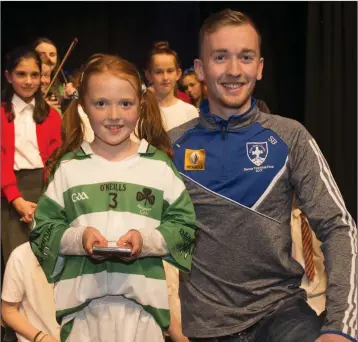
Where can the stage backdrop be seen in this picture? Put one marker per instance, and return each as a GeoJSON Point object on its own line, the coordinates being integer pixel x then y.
{"type": "Point", "coordinates": [310, 70]}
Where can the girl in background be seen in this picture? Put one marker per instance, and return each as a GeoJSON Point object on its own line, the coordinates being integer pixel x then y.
{"type": "Point", "coordinates": [30, 132]}
{"type": "Point", "coordinates": [163, 72]}
{"type": "Point", "coordinates": [58, 92]}
{"type": "Point", "coordinates": [113, 191]}
{"type": "Point", "coordinates": [27, 299]}
{"type": "Point", "coordinates": [193, 87]}
{"type": "Point", "coordinates": [47, 50]}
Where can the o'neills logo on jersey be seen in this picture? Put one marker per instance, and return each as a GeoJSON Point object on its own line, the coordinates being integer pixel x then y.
{"type": "Point", "coordinates": [194, 160]}
{"type": "Point", "coordinates": [257, 152]}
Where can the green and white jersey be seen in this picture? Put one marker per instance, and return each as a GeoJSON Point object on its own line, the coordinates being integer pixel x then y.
{"type": "Point", "coordinates": [142, 191]}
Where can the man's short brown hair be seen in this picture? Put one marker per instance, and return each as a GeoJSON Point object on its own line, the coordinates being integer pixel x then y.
{"type": "Point", "coordinates": [226, 17]}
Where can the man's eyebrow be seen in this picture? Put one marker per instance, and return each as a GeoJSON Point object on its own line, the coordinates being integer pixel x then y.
{"type": "Point", "coordinates": [246, 50]}
{"type": "Point", "coordinates": [249, 51]}
{"type": "Point", "coordinates": [218, 51]}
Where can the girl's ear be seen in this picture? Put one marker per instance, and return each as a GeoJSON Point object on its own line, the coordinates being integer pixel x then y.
{"type": "Point", "coordinates": [179, 72]}
{"type": "Point", "coordinates": [148, 76]}
{"type": "Point", "coordinates": [8, 76]}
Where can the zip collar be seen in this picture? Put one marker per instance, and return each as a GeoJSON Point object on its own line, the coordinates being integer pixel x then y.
{"type": "Point", "coordinates": [235, 122]}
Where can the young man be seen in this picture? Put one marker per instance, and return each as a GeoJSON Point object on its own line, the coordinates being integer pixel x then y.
{"type": "Point", "coordinates": [241, 167]}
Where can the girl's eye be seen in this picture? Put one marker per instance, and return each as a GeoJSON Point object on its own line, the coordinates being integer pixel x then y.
{"type": "Point", "coordinates": [126, 104]}
{"type": "Point", "coordinates": [20, 74]}
{"type": "Point", "coordinates": [100, 103]}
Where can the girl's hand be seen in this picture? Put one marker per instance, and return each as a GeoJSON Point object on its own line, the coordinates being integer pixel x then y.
{"type": "Point", "coordinates": [69, 90]}
{"type": "Point", "coordinates": [132, 239]}
{"type": "Point", "coordinates": [26, 209]}
{"type": "Point", "coordinates": [91, 237]}
{"type": "Point", "coordinates": [49, 338]}
{"type": "Point", "coordinates": [54, 104]}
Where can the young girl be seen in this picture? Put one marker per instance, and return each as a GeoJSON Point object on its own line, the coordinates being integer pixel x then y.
{"type": "Point", "coordinates": [193, 87]}
{"type": "Point", "coordinates": [27, 304]}
{"type": "Point", "coordinates": [113, 191]}
{"type": "Point", "coordinates": [163, 72]}
{"type": "Point", "coordinates": [30, 132]}
{"type": "Point", "coordinates": [47, 50]}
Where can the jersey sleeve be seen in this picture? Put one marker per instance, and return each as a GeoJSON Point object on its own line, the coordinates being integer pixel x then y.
{"type": "Point", "coordinates": [49, 224]}
{"type": "Point", "coordinates": [319, 198]}
{"type": "Point", "coordinates": [178, 220]}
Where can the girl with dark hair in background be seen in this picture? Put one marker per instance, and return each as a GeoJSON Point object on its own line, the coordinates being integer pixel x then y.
{"type": "Point", "coordinates": [47, 50]}
{"type": "Point", "coordinates": [31, 131]}
{"type": "Point", "coordinates": [193, 87]}
{"type": "Point", "coordinates": [163, 72]}
{"type": "Point", "coordinates": [49, 55]}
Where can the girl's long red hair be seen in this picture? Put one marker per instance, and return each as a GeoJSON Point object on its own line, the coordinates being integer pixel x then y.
{"type": "Point", "coordinates": [150, 126]}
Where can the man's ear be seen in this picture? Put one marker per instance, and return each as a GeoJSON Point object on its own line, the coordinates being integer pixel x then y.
{"type": "Point", "coordinates": [199, 70]}
{"type": "Point", "coordinates": [261, 68]}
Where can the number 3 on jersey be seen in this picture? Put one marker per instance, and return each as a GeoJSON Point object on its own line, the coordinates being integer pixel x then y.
{"type": "Point", "coordinates": [114, 202]}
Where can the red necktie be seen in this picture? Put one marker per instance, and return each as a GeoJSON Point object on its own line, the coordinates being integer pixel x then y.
{"type": "Point", "coordinates": [307, 247]}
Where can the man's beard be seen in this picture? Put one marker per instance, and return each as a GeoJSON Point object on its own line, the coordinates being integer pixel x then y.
{"type": "Point", "coordinates": [233, 103]}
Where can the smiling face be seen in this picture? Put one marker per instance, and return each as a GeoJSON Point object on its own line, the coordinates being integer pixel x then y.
{"type": "Point", "coordinates": [112, 105]}
{"type": "Point", "coordinates": [230, 66]}
{"type": "Point", "coordinates": [45, 77]}
{"type": "Point", "coordinates": [25, 79]}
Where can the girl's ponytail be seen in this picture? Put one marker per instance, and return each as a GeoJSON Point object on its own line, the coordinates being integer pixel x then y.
{"type": "Point", "coordinates": [72, 137]}
{"type": "Point", "coordinates": [150, 125]}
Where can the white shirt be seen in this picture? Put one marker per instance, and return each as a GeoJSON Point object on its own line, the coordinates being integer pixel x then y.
{"type": "Point", "coordinates": [88, 134]}
{"type": "Point", "coordinates": [27, 153]}
{"type": "Point", "coordinates": [174, 116]}
{"type": "Point", "coordinates": [25, 283]}
{"type": "Point", "coordinates": [178, 114]}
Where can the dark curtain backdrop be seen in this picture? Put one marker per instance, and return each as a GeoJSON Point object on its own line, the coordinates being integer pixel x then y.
{"type": "Point", "coordinates": [331, 90]}
{"type": "Point", "coordinates": [309, 50]}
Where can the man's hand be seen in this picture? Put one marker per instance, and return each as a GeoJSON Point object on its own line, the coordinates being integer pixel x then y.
{"type": "Point", "coordinates": [133, 239]}
{"type": "Point", "coordinates": [332, 338]}
{"type": "Point", "coordinates": [26, 209]}
{"type": "Point", "coordinates": [91, 237]}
